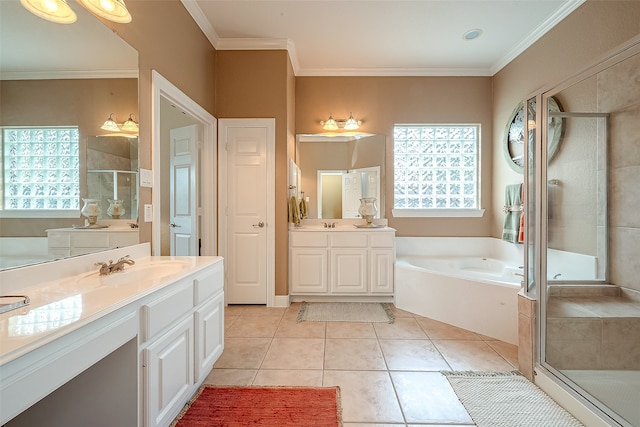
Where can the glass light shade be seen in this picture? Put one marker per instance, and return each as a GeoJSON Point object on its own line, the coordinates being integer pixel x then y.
{"type": "Point", "coordinates": [351, 123]}
{"type": "Point", "coordinates": [368, 209]}
{"type": "Point", "coordinates": [110, 125]}
{"type": "Point", "coordinates": [57, 11]}
{"type": "Point", "coordinates": [130, 125]}
{"type": "Point", "coordinates": [330, 124]}
{"type": "Point", "coordinates": [115, 209]}
{"type": "Point", "coordinates": [91, 210]}
{"type": "Point", "coordinates": [113, 10]}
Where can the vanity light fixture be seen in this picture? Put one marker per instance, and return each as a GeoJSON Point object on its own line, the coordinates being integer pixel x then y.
{"type": "Point", "coordinates": [110, 125]}
{"type": "Point", "coordinates": [130, 125]}
{"type": "Point", "coordinates": [57, 11]}
{"type": "Point", "coordinates": [113, 10]}
{"type": "Point", "coordinates": [333, 124]}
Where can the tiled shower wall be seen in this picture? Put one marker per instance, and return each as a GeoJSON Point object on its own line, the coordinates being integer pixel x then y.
{"type": "Point", "coordinates": [619, 94]}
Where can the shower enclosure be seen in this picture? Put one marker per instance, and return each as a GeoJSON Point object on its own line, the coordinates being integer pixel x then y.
{"type": "Point", "coordinates": [584, 254]}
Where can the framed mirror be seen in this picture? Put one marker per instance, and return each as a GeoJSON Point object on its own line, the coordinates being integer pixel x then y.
{"type": "Point", "coordinates": [71, 76]}
{"type": "Point", "coordinates": [514, 134]}
{"type": "Point", "coordinates": [339, 170]}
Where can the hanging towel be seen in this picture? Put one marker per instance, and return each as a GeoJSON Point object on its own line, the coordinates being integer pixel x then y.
{"type": "Point", "coordinates": [294, 210]}
{"type": "Point", "coordinates": [304, 209]}
{"type": "Point", "coordinates": [512, 212]}
{"type": "Point", "coordinates": [521, 228]}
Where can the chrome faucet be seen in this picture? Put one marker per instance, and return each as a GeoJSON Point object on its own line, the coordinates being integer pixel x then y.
{"type": "Point", "coordinates": [106, 269]}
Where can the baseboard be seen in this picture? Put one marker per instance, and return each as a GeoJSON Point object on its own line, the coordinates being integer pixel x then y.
{"type": "Point", "coordinates": [281, 301]}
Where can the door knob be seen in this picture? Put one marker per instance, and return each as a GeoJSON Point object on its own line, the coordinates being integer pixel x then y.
{"type": "Point", "coordinates": [174, 225]}
{"type": "Point", "coordinates": [258, 225]}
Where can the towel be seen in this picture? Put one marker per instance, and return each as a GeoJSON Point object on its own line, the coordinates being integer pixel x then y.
{"type": "Point", "coordinates": [304, 209]}
{"type": "Point", "coordinates": [294, 211]}
{"type": "Point", "coordinates": [521, 228]}
{"type": "Point", "coordinates": [512, 207]}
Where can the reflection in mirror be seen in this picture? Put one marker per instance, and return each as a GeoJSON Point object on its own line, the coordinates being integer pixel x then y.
{"type": "Point", "coordinates": [74, 76]}
{"type": "Point", "coordinates": [338, 171]}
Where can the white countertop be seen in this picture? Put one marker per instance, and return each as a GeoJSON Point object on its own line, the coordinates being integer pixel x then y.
{"type": "Point", "coordinates": [60, 306]}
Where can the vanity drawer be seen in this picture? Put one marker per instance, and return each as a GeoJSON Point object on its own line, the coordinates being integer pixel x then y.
{"type": "Point", "coordinates": [310, 239]}
{"type": "Point", "coordinates": [343, 239]}
{"type": "Point", "coordinates": [166, 309]}
{"type": "Point", "coordinates": [58, 240]}
{"type": "Point", "coordinates": [208, 283]}
{"type": "Point", "coordinates": [88, 240]}
{"type": "Point", "coordinates": [382, 240]}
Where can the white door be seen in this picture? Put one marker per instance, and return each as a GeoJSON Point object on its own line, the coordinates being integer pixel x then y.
{"type": "Point", "coordinates": [249, 227]}
{"type": "Point", "coordinates": [184, 209]}
{"type": "Point", "coordinates": [351, 194]}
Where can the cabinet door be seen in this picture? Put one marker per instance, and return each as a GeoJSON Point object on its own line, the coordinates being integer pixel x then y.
{"type": "Point", "coordinates": [349, 271]}
{"type": "Point", "coordinates": [209, 335]}
{"type": "Point", "coordinates": [308, 270]}
{"type": "Point", "coordinates": [381, 270]}
{"type": "Point", "coordinates": [168, 374]}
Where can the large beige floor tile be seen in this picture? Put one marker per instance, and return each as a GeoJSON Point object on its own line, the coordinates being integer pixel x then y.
{"type": "Point", "coordinates": [289, 377]}
{"type": "Point", "coordinates": [427, 397]}
{"type": "Point", "coordinates": [353, 354]}
{"type": "Point", "coordinates": [253, 327]}
{"type": "Point", "coordinates": [367, 396]}
{"type": "Point", "coordinates": [261, 310]}
{"type": "Point", "coordinates": [412, 355]}
{"type": "Point", "coordinates": [471, 356]}
{"type": "Point", "coordinates": [295, 353]}
{"type": "Point", "coordinates": [443, 331]}
{"type": "Point", "coordinates": [350, 330]}
{"type": "Point", "coordinates": [234, 310]}
{"type": "Point", "coordinates": [506, 350]}
{"type": "Point", "coordinates": [289, 328]}
{"type": "Point", "coordinates": [401, 328]}
{"type": "Point", "coordinates": [398, 312]}
{"type": "Point", "coordinates": [243, 377]}
{"type": "Point", "coordinates": [243, 353]}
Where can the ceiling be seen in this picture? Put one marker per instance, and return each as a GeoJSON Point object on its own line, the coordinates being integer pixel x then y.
{"type": "Point", "coordinates": [382, 37]}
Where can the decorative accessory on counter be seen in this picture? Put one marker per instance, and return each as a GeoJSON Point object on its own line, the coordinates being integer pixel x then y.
{"type": "Point", "coordinates": [368, 209]}
{"type": "Point", "coordinates": [115, 209]}
{"type": "Point", "coordinates": [91, 210]}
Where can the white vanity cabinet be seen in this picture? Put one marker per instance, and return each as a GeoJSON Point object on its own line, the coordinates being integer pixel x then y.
{"type": "Point", "coordinates": [182, 330]}
{"type": "Point", "coordinates": [340, 262]}
{"type": "Point", "coordinates": [64, 242]}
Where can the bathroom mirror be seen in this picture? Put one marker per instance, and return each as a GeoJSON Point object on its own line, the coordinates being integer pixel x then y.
{"type": "Point", "coordinates": [68, 75]}
{"type": "Point", "coordinates": [337, 158]}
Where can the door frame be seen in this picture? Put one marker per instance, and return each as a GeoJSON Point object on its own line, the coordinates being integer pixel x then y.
{"type": "Point", "coordinates": [163, 88]}
{"type": "Point", "coordinates": [270, 124]}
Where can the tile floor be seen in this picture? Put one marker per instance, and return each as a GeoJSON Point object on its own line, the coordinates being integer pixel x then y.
{"type": "Point", "coordinates": [388, 373]}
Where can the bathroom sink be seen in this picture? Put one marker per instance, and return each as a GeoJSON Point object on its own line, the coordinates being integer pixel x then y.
{"type": "Point", "coordinates": [148, 271]}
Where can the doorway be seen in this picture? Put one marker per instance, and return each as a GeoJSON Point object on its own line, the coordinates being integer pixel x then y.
{"type": "Point", "coordinates": [171, 108]}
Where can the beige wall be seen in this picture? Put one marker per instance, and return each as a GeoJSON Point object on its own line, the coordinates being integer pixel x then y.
{"type": "Point", "coordinates": [257, 84]}
{"type": "Point", "coordinates": [592, 30]}
{"type": "Point", "coordinates": [381, 102]}
{"type": "Point", "coordinates": [82, 102]}
{"type": "Point", "coordinates": [169, 41]}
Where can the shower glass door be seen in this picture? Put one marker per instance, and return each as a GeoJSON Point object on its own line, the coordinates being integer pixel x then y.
{"type": "Point", "coordinates": [590, 237]}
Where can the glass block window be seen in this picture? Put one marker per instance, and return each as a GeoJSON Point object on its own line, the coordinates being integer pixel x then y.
{"type": "Point", "coordinates": [436, 166]}
{"type": "Point", "coordinates": [41, 168]}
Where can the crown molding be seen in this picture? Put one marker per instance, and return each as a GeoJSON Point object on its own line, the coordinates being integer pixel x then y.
{"type": "Point", "coordinates": [201, 20]}
{"type": "Point", "coordinates": [393, 72]}
{"type": "Point", "coordinates": [67, 74]}
{"type": "Point", "coordinates": [536, 34]}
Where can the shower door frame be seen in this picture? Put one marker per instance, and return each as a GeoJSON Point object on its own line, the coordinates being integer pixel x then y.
{"type": "Point", "coordinates": [541, 212]}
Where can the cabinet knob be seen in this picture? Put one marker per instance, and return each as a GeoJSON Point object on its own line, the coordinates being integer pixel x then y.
{"type": "Point", "coordinates": [174, 225]}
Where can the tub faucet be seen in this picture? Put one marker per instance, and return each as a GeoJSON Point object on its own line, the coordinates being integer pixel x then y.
{"type": "Point", "coordinates": [106, 269]}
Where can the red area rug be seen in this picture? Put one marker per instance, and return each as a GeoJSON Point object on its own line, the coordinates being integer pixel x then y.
{"type": "Point", "coordinates": [262, 406]}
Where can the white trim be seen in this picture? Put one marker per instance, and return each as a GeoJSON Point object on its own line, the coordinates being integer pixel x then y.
{"type": "Point", "coordinates": [281, 301]}
{"type": "Point", "coordinates": [201, 20]}
{"type": "Point", "coordinates": [390, 72]}
{"type": "Point", "coordinates": [40, 213]}
{"type": "Point", "coordinates": [270, 124]}
{"type": "Point", "coordinates": [69, 74]}
{"type": "Point", "coordinates": [437, 213]}
{"type": "Point", "coordinates": [162, 88]}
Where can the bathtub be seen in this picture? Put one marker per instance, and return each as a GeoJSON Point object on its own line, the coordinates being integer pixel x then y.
{"type": "Point", "coordinates": [469, 282]}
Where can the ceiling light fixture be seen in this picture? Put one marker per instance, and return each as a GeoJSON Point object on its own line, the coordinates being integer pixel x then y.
{"type": "Point", "coordinates": [472, 34]}
{"type": "Point", "coordinates": [333, 124]}
{"type": "Point", "coordinates": [113, 10]}
{"type": "Point", "coordinates": [110, 125]}
{"type": "Point", "coordinates": [57, 11]}
{"type": "Point", "coordinates": [130, 125]}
